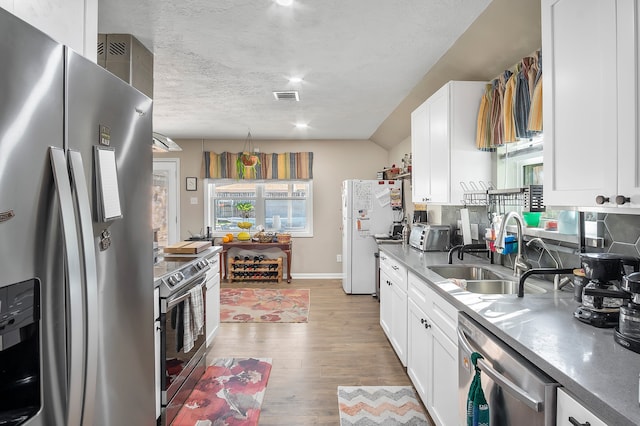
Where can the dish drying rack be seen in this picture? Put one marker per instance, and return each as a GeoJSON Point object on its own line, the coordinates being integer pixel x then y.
{"type": "Point", "coordinates": [529, 198]}
{"type": "Point", "coordinates": [476, 194]}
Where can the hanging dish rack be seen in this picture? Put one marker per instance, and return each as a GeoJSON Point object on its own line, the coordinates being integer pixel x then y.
{"type": "Point", "coordinates": [476, 194]}
{"type": "Point", "coordinates": [529, 198]}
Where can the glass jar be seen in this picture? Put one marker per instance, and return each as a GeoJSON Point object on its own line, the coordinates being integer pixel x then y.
{"type": "Point", "coordinates": [630, 320]}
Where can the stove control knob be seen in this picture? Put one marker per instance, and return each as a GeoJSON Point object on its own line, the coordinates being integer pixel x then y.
{"type": "Point", "coordinates": [175, 278]}
{"type": "Point", "coordinates": [202, 264]}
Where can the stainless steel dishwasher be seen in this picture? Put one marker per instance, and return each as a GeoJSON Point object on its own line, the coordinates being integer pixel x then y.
{"type": "Point", "coordinates": [517, 391]}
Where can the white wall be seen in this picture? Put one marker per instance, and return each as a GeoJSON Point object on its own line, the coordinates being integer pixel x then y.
{"type": "Point", "coordinates": [70, 22]}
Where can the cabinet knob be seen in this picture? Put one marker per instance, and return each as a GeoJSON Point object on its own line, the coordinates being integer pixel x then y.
{"type": "Point", "coordinates": [574, 422]}
{"type": "Point", "coordinates": [422, 320]}
{"type": "Point", "coordinates": [388, 282]}
{"type": "Point", "coordinates": [601, 199]}
{"type": "Point", "coordinates": [427, 325]}
{"type": "Point", "coordinates": [621, 199]}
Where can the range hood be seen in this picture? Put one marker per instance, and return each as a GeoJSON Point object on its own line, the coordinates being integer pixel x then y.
{"type": "Point", "coordinates": [161, 143]}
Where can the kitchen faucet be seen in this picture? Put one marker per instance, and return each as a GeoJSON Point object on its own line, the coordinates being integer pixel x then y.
{"type": "Point", "coordinates": [558, 283]}
{"type": "Point", "coordinates": [520, 265]}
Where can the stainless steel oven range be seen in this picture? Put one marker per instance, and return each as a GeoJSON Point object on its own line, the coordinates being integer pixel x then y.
{"type": "Point", "coordinates": [182, 312]}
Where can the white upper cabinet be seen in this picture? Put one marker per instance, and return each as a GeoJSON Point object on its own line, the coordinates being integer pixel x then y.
{"type": "Point", "coordinates": [590, 92]}
{"type": "Point", "coordinates": [443, 144]}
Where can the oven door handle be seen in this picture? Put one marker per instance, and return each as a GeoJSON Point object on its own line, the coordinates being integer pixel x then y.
{"type": "Point", "coordinates": [513, 389]}
{"type": "Point", "coordinates": [173, 302]}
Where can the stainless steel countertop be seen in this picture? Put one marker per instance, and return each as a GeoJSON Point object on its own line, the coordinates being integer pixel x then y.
{"type": "Point", "coordinates": [582, 358]}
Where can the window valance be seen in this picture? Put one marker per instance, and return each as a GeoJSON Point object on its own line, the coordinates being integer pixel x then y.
{"type": "Point", "coordinates": [287, 166]}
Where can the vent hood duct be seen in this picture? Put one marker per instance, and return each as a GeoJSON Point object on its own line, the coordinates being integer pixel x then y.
{"type": "Point", "coordinates": [126, 57]}
{"type": "Point", "coordinates": [161, 143]}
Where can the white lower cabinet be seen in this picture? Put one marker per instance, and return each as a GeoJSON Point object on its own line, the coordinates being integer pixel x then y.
{"type": "Point", "coordinates": [432, 351]}
{"type": "Point", "coordinates": [212, 302]}
{"type": "Point", "coordinates": [570, 412]}
{"type": "Point", "coordinates": [393, 304]}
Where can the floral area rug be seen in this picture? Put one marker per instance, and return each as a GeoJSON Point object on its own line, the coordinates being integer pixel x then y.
{"type": "Point", "coordinates": [380, 405]}
{"type": "Point", "coordinates": [229, 393]}
{"type": "Point", "coordinates": [264, 305]}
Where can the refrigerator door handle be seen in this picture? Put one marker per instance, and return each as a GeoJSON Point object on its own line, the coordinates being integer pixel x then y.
{"type": "Point", "coordinates": [76, 332]}
{"type": "Point", "coordinates": [83, 209]}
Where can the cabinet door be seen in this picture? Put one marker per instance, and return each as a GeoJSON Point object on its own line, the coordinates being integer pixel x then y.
{"type": "Point", "coordinates": [629, 101]}
{"type": "Point", "coordinates": [212, 305]}
{"type": "Point", "coordinates": [386, 304]}
{"type": "Point", "coordinates": [399, 322]}
{"type": "Point", "coordinates": [419, 344]}
{"type": "Point", "coordinates": [568, 408]}
{"type": "Point", "coordinates": [439, 146]}
{"type": "Point", "coordinates": [444, 379]}
{"type": "Point", "coordinates": [579, 92]}
{"type": "Point", "coordinates": [420, 180]}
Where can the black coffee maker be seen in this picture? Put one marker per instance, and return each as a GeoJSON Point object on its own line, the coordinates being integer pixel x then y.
{"type": "Point", "coordinates": [604, 272]}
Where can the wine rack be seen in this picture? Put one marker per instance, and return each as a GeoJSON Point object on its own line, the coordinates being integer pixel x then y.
{"type": "Point", "coordinates": [255, 269]}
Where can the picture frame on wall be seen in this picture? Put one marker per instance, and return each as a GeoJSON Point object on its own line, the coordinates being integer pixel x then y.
{"type": "Point", "coordinates": [192, 184]}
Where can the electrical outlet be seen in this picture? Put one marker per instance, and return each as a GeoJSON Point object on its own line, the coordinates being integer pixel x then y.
{"type": "Point", "coordinates": [338, 258]}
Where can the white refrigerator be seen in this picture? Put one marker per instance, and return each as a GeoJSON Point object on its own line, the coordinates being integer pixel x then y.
{"type": "Point", "coordinates": [369, 207]}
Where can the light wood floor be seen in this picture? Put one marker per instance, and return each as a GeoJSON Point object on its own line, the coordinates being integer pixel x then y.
{"type": "Point", "coordinates": [341, 345]}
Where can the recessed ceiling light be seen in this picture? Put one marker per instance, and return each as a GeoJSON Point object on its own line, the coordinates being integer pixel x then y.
{"type": "Point", "coordinates": [284, 2]}
{"type": "Point", "coordinates": [302, 126]}
{"type": "Point", "coordinates": [295, 79]}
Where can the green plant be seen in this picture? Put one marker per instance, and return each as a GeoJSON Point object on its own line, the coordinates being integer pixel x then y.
{"type": "Point", "coordinates": [245, 207]}
{"type": "Point", "coordinates": [246, 160]}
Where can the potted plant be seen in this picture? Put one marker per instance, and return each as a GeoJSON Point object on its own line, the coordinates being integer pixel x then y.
{"type": "Point", "coordinates": [245, 208]}
{"type": "Point", "coordinates": [248, 159]}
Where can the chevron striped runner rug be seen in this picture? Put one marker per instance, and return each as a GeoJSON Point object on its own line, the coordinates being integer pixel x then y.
{"type": "Point", "coordinates": [380, 405]}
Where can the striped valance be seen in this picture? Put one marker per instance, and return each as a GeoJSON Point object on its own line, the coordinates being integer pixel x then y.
{"type": "Point", "coordinates": [288, 165]}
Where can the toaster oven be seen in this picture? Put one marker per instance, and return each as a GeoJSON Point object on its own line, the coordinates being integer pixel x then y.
{"type": "Point", "coordinates": [425, 237]}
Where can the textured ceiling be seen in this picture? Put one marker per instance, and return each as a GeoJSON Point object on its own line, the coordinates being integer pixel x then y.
{"type": "Point", "coordinates": [216, 63]}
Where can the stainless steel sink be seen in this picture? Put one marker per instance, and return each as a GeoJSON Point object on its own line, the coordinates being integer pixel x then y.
{"type": "Point", "coordinates": [477, 279]}
{"type": "Point", "coordinates": [500, 287]}
{"type": "Point", "coordinates": [465, 272]}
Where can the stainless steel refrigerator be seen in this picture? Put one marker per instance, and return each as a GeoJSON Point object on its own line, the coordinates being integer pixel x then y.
{"type": "Point", "coordinates": [76, 255]}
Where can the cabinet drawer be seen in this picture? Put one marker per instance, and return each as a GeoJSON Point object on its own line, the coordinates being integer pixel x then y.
{"type": "Point", "coordinates": [443, 313]}
{"type": "Point", "coordinates": [568, 408]}
{"type": "Point", "coordinates": [396, 271]}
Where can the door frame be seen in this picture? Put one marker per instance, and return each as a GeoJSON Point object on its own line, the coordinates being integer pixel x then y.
{"type": "Point", "coordinates": [172, 166]}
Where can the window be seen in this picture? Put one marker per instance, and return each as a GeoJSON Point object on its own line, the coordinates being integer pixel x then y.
{"type": "Point", "coordinates": [279, 205]}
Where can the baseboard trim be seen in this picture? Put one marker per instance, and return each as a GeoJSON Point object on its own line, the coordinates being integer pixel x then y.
{"type": "Point", "coordinates": [318, 276]}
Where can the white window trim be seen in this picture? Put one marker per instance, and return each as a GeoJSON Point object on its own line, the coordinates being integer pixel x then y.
{"type": "Point", "coordinates": [296, 234]}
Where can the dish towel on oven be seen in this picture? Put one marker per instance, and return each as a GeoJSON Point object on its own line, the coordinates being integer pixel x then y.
{"type": "Point", "coordinates": [193, 318]}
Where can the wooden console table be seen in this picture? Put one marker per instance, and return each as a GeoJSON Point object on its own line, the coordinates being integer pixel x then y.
{"type": "Point", "coordinates": [250, 245]}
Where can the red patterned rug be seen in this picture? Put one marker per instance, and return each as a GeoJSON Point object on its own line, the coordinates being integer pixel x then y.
{"type": "Point", "coordinates": [229, 393]}
{"type": "Point", "coordinates": [264, 305]}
